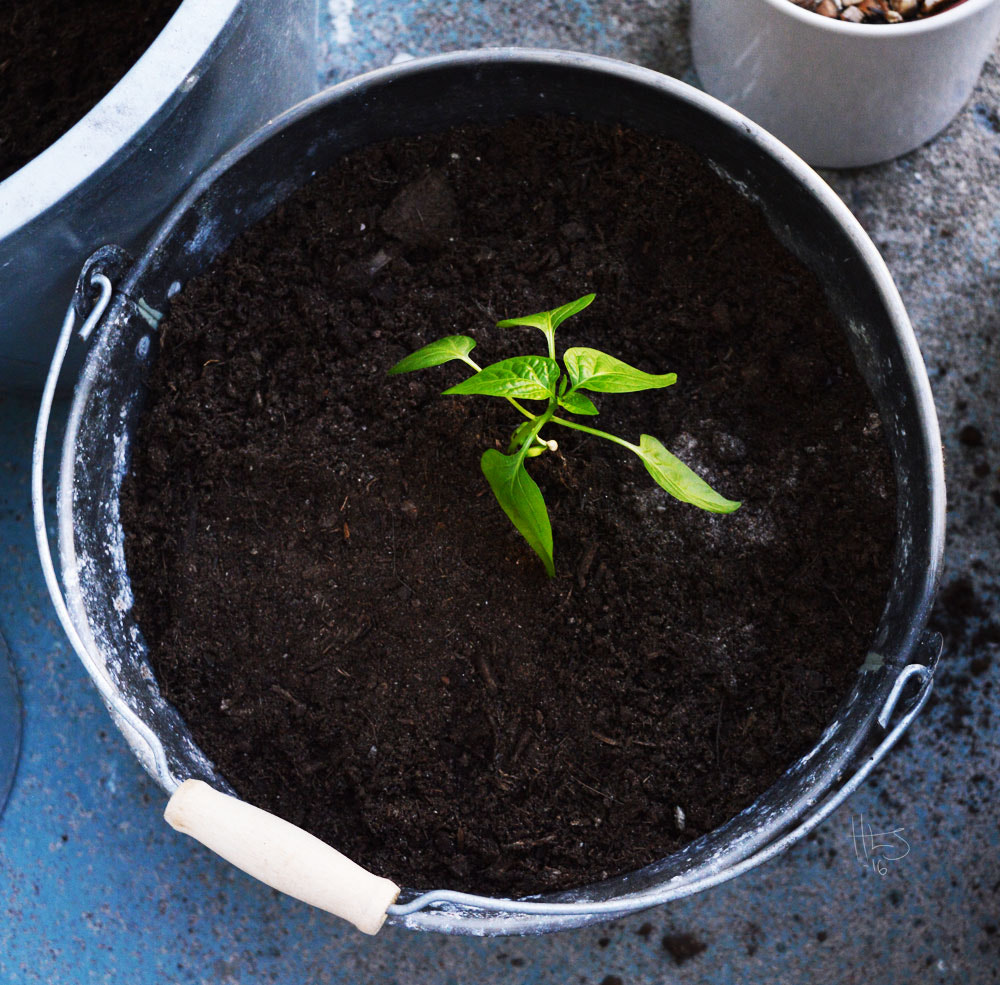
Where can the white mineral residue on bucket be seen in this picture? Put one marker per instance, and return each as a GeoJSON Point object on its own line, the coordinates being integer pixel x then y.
{"type": "Point", "coordinates": [115, 533]}
{"type": "Point", "coordinates": [201, 237]}
{"type": "Point", "coordinates": [340, 15]}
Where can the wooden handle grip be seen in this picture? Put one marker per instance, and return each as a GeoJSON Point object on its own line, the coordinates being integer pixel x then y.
{"type": "Point", "coordinates": [281, 855]}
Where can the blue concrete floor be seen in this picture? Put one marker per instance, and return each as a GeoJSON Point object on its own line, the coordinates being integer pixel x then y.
{"type": "Point", "coordinates": [95, 888]}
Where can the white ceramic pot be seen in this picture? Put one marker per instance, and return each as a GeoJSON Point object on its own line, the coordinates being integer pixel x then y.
{"type": "Point", "coordinates": [840, 94]}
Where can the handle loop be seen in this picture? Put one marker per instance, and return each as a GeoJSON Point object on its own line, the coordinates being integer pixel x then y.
{"type": "Point", "coordinates": [154, 753]}
{"type": "Point", "coordinates": [281, 855]}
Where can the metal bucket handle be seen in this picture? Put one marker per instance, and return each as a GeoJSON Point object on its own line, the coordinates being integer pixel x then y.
{"type": "Point", "coordinates": [289, 859]}
{"type": "Point", "coordinates": [92, 277]}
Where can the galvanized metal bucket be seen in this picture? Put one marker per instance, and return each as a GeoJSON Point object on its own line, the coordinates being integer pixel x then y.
{"type": "Point", "coordinates": [217, 71]}
{"type": "Point", "coordinates": [93, 595]}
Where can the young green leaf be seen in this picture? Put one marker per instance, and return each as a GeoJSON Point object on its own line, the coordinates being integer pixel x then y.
{"type": "Point", "coordinates": [542, 321]}
{"type": "Point", "coordinates": [678, 480]}
{"type": "Point", "coordinates": [542, 378]}
{"type": "Point", "coordinates": [548, 321]}
{"type": "Point", "coordinates": [435, 353]}
{"type": "Point", "coordinates": [560, 314]}
{"type": "Point", "coordinates": [578, 403]}
{"type": "Point", "coordinates": [521, 499]}
{"type": "Point", "coordinates": [528, 377]}
{"type": "Point", "coordinates": [592, 369]}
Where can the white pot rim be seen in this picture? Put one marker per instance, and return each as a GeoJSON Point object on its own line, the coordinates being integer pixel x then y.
{"type": "Point", "coordinates": [880, 32]}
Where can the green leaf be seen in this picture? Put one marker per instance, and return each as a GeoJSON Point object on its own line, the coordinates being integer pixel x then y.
{"type": "Point", "coordinates": [436, 353]}
{"type": "Point", "coordinates": [521, 499]}
{"type": "Point", "coordinates": [578, 403]}
{"type": "Point", "coordinates": [528, 377]}
{"type": "Point", "coordinates": [559, 315]}
{"type": "Point", "coordinates": [678, 480]}
{"type": "Point", "coordinates": [548, 321]}
{"type": "Point", "coordinates": [592, 369]}
{"type": "Point", "coordinates": [542, 321]}
{"type": "Point", "coordinates": [517, 438]}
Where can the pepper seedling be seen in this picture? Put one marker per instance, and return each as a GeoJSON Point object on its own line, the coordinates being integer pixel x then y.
{"type": "Point", "coordinates": [535, 377]}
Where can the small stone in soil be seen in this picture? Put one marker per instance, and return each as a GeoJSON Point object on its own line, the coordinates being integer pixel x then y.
{"type": "Point", "coordinates": [424, 213]}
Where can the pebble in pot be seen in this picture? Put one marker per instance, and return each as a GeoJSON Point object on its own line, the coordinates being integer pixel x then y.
{"type": "Point", "coordinates": [877, 11]}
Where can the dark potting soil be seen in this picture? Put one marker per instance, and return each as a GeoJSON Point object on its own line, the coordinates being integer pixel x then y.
{"type": "Point", "coordinates": [58, 59]}
{"type": "Point", "coordinates": [356, 634]}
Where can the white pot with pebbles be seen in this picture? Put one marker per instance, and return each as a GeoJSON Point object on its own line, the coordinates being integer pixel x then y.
{"type": "Point", "coordinates": [844, 83]}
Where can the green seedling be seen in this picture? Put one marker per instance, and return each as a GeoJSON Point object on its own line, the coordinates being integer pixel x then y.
{"type": "Point", "coordinates": [542, 378]}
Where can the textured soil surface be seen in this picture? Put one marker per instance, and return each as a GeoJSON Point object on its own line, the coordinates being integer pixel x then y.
{"type": "Point", "coordinates": [354, 631]}
{"type": "Point", "coordinates": [58, 59]}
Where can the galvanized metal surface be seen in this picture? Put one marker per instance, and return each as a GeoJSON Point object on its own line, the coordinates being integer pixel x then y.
{"type": "Point", "coordinates": [93, 888]}
{"type": "Point", "coordinates": [218, 70]}
{"type": "Point", "coordinates": [95, 601]}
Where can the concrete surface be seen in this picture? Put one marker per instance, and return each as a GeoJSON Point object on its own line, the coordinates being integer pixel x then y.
{"type": "Point", "coordinates": [95, 888]}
